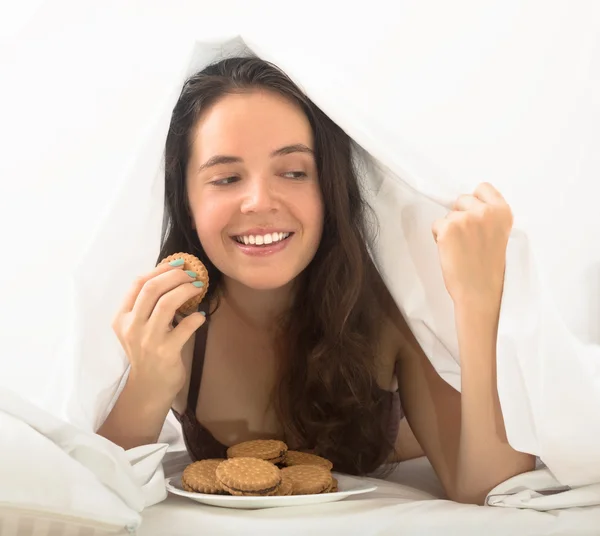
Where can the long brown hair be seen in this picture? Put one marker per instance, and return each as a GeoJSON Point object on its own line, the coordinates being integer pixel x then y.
{"type": "Point", "coordinates": [327, 397]}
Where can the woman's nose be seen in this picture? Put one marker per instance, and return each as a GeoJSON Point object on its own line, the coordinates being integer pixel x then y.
{"type": "Point", "coordinates": [258, 197]}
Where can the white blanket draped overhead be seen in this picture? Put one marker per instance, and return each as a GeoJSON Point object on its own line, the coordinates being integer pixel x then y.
{"type": "Point", "coordinates": [548, 379]}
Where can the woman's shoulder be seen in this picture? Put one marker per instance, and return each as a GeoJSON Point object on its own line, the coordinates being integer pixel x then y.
{"type": "Point", "coordinates": [395, 331]}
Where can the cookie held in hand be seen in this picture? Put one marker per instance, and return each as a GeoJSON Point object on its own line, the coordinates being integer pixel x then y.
{"type": "Point", "coordinates": [191, 263]}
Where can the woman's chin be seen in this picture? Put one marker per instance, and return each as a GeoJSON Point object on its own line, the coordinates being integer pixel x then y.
{"type": "Point", "coordinates": [262, 285]}
{"type": "Point", "coordinates": [264, 282]}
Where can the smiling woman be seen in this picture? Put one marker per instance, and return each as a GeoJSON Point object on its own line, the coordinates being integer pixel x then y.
{"type": "Point", "coordinates": [301, 340]}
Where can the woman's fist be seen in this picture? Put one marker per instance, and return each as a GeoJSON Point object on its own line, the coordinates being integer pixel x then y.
{"type": "Point", "coordinates": [472, 241]}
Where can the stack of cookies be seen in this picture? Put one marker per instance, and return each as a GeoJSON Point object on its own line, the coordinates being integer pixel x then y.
{"type": "Point", "coordinates": [262, 467]}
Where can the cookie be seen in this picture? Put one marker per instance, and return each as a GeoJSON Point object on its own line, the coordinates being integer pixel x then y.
{"type": "Point", "coordinates": [333, 487]}
{"type": "Point", "coordinates": [195, 265]}
{"type": "Point", "coordinates": [248, 476]}
{"type": "Point", "coordinates": [270, 450]}
{"type": "Point", "coordinates": [295, 457]}
{"type": "Point", "coordinates": [201, 477]}
{"type": "Point", "coordinates": [286, 487]}
{"type": "Point", "coordinates": [308, 479]}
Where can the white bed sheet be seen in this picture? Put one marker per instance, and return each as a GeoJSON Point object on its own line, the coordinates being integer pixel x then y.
{"type": "Point", "coordinates": [407, 503]}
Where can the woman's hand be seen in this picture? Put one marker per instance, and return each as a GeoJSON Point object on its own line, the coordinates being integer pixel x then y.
{"type": "Point", "coordinates": [144, 328]}
{"type": "Point", "coordinates": [472, 242]}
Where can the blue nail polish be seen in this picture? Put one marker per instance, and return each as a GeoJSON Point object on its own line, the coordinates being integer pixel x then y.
{"type": "Point", "coordinates": [176, 262]}
{"type": "Point", "coordinates": [202, 313]}
{"type": "Point", "coordinates": [190, 273]}
{"type": "Point", "coordinates": [198, 284]}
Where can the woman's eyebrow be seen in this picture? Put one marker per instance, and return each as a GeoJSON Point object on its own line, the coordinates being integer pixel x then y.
{"type": "Point", "coordinates": [221, 159]}
{"type": "Point", "coordinates": [296, 148]}
{"type": "Point", "coordinates": [218, 160]}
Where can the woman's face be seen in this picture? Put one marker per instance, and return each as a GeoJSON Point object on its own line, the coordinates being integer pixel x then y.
{"type": "Point", "coordinates": [253, 189]}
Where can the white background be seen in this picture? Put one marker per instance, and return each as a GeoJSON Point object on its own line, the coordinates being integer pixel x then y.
{"type": "Point", "coordinates": [501, 91]}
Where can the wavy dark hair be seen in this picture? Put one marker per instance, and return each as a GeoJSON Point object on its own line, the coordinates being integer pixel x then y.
{"type": "Point", "coordinates": [327, 397]}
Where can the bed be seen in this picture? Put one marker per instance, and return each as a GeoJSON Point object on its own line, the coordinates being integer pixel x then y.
{"type": "Point", "coordinates": [407, 503]}
{"type": "Point", "coordinates": [59, 480]}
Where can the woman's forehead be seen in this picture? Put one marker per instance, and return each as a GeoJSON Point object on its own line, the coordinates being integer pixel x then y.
{"type": "Point", "coordinates": [245, 122]}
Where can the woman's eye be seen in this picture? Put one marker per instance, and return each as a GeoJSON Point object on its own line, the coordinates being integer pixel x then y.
{"type": "Point", "coordinates": [295, 174]}
{"type": "Point", "coordinates": [225, 181]}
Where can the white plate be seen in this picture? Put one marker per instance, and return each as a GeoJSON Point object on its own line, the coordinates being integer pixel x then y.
{"type": "Point", "coordinates": [347, 486]}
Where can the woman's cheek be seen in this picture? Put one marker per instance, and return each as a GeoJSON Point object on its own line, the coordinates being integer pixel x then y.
{"type": "Point", "coordinates": [208, 229]}
{"type": "Point", "coordinates": [318, 215]}
{"type": "Point", "coordinates": [210, 224]}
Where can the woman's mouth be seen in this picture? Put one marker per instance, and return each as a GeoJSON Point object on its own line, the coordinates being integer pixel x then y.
{"type": "Point", "coordinates": [262, 239]}
{"type": "Point", "coordinates": [262, 244]}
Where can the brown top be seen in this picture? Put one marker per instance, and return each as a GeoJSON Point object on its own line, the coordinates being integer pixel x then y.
{"type": "Point", "coordinates": [199, 441]}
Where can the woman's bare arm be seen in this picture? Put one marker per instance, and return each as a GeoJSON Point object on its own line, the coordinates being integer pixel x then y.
{"type": "Point", "coordinates": [462, 435]}
{"type": "Point", "coordinates": [140, 411]}
{"type": "Point", "coordinates": [137, 417]}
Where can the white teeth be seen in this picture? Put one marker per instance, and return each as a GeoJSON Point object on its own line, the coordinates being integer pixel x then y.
{"type": "Point", "coordinates": [259, 240]}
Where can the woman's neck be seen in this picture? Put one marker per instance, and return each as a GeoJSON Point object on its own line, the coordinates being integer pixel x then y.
{"type": "Point", "coordinates": [257, 308]}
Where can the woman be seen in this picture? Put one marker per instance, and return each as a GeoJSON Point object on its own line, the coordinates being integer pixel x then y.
{"type": "Point", "coordinates": [298, 338]}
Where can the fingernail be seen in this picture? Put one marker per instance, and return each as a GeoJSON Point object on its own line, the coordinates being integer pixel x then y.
{"type": "Point", "coordinates": [190, 273]}
{"type": "Point", "coordinates": [176, 262]}
{"type": "Point", "coordinates": [203, 313]}
{"type": "Point", "coordinates": [198, 284]}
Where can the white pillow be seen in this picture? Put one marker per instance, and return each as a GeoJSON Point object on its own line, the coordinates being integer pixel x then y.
{"type": "Point", "coordinates": [40, 483]}
{"type": "Point", "coordinates": [51, 471]}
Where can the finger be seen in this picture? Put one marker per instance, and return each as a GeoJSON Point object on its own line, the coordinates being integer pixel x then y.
{"type": "Point", "coordinates": [437, 228]}
{"type": "Point", "coordinates": [467, 202]}
{"type": "Point", "coordinates": [155, 288]}
{"type": "Point", "coordinates": [440, 227]}
{"type": "Point", "coordinates": [131, 296]}
{"type": "Point", "coordinates": [175, 322]}
{"type": "Point", "coordinates": [166, 307]}
{"type": "Point", "coordinates": [186, 328]}
{"type": "Point", "coordinates": [488, 194]}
